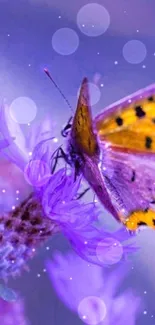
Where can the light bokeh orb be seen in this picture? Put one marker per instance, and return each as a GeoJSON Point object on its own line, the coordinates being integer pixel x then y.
{"type": "Point", "coordinates": [109, 251]}
{"type": "Point", "coordinates": [37, 173]}
{"type": "Point", "coordinates": [93, 19]}
{"type": "Point", "coordinates": [23, 110]}
{"type": "Point", "coordinates": [92, 310]}
{"type": "Point", "coordinates": [65, 41]}
{"type": "Point", "coordinates": [134, 52]}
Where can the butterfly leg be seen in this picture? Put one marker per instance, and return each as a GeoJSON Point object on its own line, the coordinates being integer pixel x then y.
{"type": "Point", "coordinates": [55, 161]}
{"type": "Point", "coordinates": [80, 195]}
{"type": "Point", "coordinates": [64, 156]}
{"type": "Point", "coordinates": [59, 154]}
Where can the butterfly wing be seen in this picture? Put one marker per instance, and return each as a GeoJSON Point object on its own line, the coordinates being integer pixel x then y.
{"type": "Point", "coordinates": [130, 123]}
{"type": "Point", "coordinates": [127, 129]}
{"type": "Point", "coordinates": [83, 143]}
{"type": "Point", "coordinates": [116, 175]}
{"type": "Point", "coordinates": [82, 135]}
{"type": "Point", "coordinates": [130, 182]}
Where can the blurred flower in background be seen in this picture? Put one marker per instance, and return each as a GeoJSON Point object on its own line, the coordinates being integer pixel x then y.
{"type": "Point", "coordinates": [12, 313]}
{"type": "Point", "coordinates": [92, 292]}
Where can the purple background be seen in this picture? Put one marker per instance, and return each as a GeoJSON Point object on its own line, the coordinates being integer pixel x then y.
{"type": "Point", "coordinates": [26, 30]}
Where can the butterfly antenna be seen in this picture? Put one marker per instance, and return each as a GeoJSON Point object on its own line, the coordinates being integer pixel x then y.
{"type": "Point", "coordinates": [56, 86]}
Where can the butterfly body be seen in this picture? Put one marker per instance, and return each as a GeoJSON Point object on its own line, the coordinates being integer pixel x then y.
{"type": "Point", "coordinates": [115, 152]}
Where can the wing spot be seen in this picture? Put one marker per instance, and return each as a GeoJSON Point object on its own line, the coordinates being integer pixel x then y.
{"type": "Point", "coordinates": [148, 142]}
{"type": "Point", "coordinates": [153, 120]}
{"type": "Point", "coordinates": [141, 223]}
{"type": "Point", "coordinates": [133, 176]}
{"type": "Point", "coordinates": [151, 99]}
{"type": "Point", "coordinates": [119, 121]}
{"type": "Point", "coordinates": [153, 220]}
{"type": "Point", "coordinates": [139, 112]}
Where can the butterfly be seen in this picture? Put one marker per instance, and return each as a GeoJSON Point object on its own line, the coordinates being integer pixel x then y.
{"type": "Point", "coordinates": [115, 152]}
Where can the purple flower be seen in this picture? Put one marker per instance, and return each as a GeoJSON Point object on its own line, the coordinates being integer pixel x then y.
{"type": "Point", "coordinates": [22, 146]}
{"type": "Point", "coordinates": [50, 207]}
{"type": "Point", "coordinates": [92, 293]}
{"type": "Point", "coordinates": [12, 313]}
{"type": "Point", "coordinates": [24, 227]}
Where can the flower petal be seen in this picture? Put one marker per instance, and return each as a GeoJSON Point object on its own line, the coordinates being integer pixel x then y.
{"type": "Point", "coordinates": [39, 131]}
{"type": "Point", "coordinates": [85, 241]}
{"type": "Point", "coordinates": [16, 152]}
{"type": "Point", "coordinates": [76, 281]}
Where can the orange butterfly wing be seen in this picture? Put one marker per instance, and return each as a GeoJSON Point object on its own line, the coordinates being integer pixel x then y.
{"type": "Point", "coordinates": [129, 126]}
{"type": "Point", "coordinates": [82, 128]}
{"type": "Point", "coordinates": [125, 127]}
{"type": "Point", "coordinates": [130, 123]}
{"type": "Point", "coordinates": [83, 142]}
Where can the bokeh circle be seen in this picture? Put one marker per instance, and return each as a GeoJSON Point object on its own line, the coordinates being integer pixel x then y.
{"type": "Point", "coordinates": [134, 51]}
{"type": "Point", "coordinates": [93, 19]}
{"type": "Point", "coordinates": [37, 173]}
{"type": "Point", "coordinates": [109, 251]}
{"type": "Point", "coordinates": [92, 310]}
{"type": "Point", "coordinates": [23, 110]}
{"type": "Point", "coordinates": [65, 41]}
